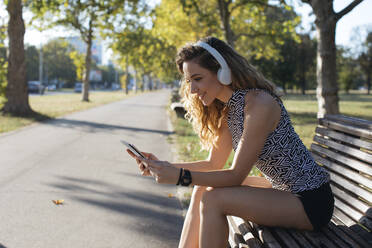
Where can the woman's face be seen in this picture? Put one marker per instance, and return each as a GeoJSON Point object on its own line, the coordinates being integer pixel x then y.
{"type": "Point", "coordinates": [203, 82]}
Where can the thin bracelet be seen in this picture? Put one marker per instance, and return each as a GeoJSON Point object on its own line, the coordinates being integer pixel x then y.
{"type": "Point", "coordinates": [179, 177]}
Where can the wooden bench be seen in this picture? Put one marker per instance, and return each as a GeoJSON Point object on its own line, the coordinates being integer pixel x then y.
{"type": "Point", "coordinates": [343, 145]}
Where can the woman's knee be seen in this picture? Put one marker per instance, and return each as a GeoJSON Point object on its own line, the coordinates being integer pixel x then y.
{"type": "Point", "coordinates": [210, 200]}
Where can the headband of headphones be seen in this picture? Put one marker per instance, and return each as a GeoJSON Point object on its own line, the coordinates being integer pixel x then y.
{"type": "Point", "coordinates": [224, 74]}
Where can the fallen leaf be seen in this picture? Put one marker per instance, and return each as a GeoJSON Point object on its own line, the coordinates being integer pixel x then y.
{"type": "Point", "coordinates": [170, 195]}
{"type": "Point", "coordinates": [58, 202]}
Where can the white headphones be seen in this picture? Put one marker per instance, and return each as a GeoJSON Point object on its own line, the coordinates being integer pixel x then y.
{"type": "Point", "coordinates": [224, 73]}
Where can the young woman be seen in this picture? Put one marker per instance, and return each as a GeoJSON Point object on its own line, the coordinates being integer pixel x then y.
{"type": "Point", "coordinates": [232, 106]}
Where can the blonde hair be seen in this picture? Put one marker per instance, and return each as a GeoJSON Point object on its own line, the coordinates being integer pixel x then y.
{"type": "Point", "coordinates": [207, 120]}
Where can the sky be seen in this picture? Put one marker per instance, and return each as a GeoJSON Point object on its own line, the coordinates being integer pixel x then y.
{"type": "Point", "coordinates": [360, 17]}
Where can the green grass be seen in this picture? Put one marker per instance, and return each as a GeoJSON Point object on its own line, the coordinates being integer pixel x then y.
{"type": "Point", "coordinates": [52, 106]}
{"type": "Point", "coordinates": [302, 110]}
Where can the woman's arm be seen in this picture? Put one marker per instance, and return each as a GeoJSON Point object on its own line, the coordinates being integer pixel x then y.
{"type": "Point", "coordinates": [217, 156]}
{"type": "Point", "coordinates": [261, 116]}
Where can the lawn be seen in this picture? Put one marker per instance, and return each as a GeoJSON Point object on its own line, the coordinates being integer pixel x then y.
{"type": "Point", "coordinates": [302, 110]}
{"type": "Point", "coordinates": [52, 106]}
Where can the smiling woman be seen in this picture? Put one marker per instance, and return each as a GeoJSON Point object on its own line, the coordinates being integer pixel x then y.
{"type": "Point", "coordinates": [232, 106]}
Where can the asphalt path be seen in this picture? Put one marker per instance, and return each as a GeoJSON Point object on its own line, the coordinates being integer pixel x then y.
{"type": "Point", "coordinates": [78, 158]}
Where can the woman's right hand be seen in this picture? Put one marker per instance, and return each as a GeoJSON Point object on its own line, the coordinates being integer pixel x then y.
{"type": "Point", "coordinates": [143, 168]}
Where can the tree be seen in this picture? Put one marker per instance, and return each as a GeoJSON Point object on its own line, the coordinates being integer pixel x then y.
{"type": "Point", "coordinates": [32, 63]}
{"type": "Point", "coordinates": [365, 61]}
{"type": "Point", "coordinates": [325, 20]}
{"type": "Point", "coordinates": [58, 62]}
{"type": "Point", "coordinates": [16, 89]}
{"type": "Point", "coordinates": [85, 16]}
{"type": "Point", "coordinates": [3, 62]}
{"type": "Point", "coordinates": [253, 28]}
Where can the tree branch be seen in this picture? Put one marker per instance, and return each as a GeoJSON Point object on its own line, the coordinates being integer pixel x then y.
{"type": "Point", "coordinates": [347, 9]}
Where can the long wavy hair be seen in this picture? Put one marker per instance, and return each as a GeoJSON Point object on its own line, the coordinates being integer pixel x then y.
{"type": "Point", "coordinates": [207, 120]}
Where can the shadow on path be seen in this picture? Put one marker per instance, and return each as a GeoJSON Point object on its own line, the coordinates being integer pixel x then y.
{"type": "Point", "coordinates": [94, 126]}
{"type": "Point", "coordinates": [155, 215]}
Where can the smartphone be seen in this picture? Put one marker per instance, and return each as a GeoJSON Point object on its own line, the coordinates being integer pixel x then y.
{"type": "Point", "coordinates": [133, 149]}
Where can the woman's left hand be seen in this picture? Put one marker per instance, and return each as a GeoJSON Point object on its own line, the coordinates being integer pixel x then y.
{"type": "Point", "coordinates": [162, 171]}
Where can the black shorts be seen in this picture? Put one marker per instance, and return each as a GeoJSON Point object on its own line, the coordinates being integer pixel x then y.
{"type": "Point", "coordinates": [318, 204]}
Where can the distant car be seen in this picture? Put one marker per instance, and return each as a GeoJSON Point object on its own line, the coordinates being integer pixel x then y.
{"type": "Point", "coordinates": [78, 87]}
{"type": "Point", "coordinates": [52, 87]}
{"type": "Point", "coordinates": [35, 87]}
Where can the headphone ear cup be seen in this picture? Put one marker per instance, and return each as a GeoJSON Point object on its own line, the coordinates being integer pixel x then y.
{"type": "Point", "coordinates": [224, 76]}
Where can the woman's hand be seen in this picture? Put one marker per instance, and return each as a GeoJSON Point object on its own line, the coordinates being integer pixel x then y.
{"type": "Point", "coordinates": [144, 170]}
{"type": "Point", "coordinates": [162, 171]}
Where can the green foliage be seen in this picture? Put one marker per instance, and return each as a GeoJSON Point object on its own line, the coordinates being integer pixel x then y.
{"type": "Point", "coordinates": [32, 63]}
{"type": "Point", "coordinates": [58, 63]}
{"type": "Point", "coordinates": [79, 62]}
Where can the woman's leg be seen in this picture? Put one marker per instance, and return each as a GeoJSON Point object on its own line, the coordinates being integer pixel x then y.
{"type": "Point", "coordinates": [190, 231]}
{"type": "Point", "coordinates": [263, 206]}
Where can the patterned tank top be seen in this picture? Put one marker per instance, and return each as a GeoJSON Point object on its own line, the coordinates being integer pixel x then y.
{"type": "Point", "coordinates": [284, 160]}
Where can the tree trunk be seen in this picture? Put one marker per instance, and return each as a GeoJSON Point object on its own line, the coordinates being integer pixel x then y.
{"type": "Point", "coordinates": [223, 7]}
{"type": "Point", "coordinates": [126, 75]}
{"type": "Point", "coordinates": [368, 83]}
{"type": "Point", "coordinates": [327, 89]}
{"type": "Point", "coordinates": [88, 61]}
{"type": "Point", "coordinates": [16, 89]}
{"type": "Point", "coordinates": [325, 21]}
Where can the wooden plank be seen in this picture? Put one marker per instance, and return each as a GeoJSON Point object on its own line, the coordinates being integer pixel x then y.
{"type": "Point", "coordinates": [284, 237]}
{"type": "Point", "coordinates": [267, 237]}
{"type": "Point", "coordinates": [352, 121]}
{"type": "Point", "coordinates": [361, 155]}
{"type": "Point", "coordinates": [365, 133]}
{"type": "Point", "coordinates": [361, 206]}
{"type": "Point", "coordinates": [339, 240]}
{"type": "Point", "coordinates": [344, 138]}
{"type": "Point", "coordinates": [365, 221]}
{"type": "Point", "coordinates": [298, 236]}
{"type": "Point", "coordinates": [319, 239]}
{"type": "Point", "coordinates": [358, 234]}
{"type": "Point", "coordinates": [351, 186]}
{"type": "Point", "coordinates": [356, 177]}
{"type": "Point", "coordinates": [352, 213]}
{"type": "Point", "coordinates": [359, 166]}
{"type": "Point", "coordinates": [346, 220]}
{"type": "Point", "coordinates": [343, 236]}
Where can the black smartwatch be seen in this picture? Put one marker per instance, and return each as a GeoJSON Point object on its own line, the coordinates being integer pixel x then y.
{"type": "Point", "coordinates": [186, 178]}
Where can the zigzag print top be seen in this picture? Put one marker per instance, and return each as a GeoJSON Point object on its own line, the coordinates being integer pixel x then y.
{"type": "Point", "coordinates": [284, 160]}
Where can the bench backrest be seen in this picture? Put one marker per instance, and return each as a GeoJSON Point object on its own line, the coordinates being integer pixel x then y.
{"type": "Point", "coordinates": [343, 145]}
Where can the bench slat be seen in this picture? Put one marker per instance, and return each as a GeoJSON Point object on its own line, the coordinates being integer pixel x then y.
{"type": "Point", "coordinates": [266, 236]}
{"type": "Point", "coordinates": [345, 238]}
{"type": "Point", "coordinates": [345, 149]}
{"type": "Point", "coordinates": [346, 220]}
{"type": "Point", "coordinates": [351, 186]}
{"type": "Point", "coordinates": [360, 179]}
{"type": "Point", "coordinates": [319, 239]}
{"type": "Point", "coordinates": [339, 241]}
{"type": "Point", "coordinates": [357, 236]}
{"type": "Point", "coordinates": [344, 138]}
{"type": "Point", "coordinates": [300, 238]}
{"type": "Point", "coordinates": [365, 133]}
{"type": "Point", "coordinates": [356, 216]}
{"type": "Point", "coordinates": [360, 166]}
{"type": "Point", "coordinates": [361, 206]}
{"type": "Point", "coordinates": [365, 124]}
{"type": "Point", "coordinates": [285, 237]}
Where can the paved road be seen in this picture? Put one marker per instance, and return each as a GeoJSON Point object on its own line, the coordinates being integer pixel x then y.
{"type": "Point", "coordinates": [79, 158]}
